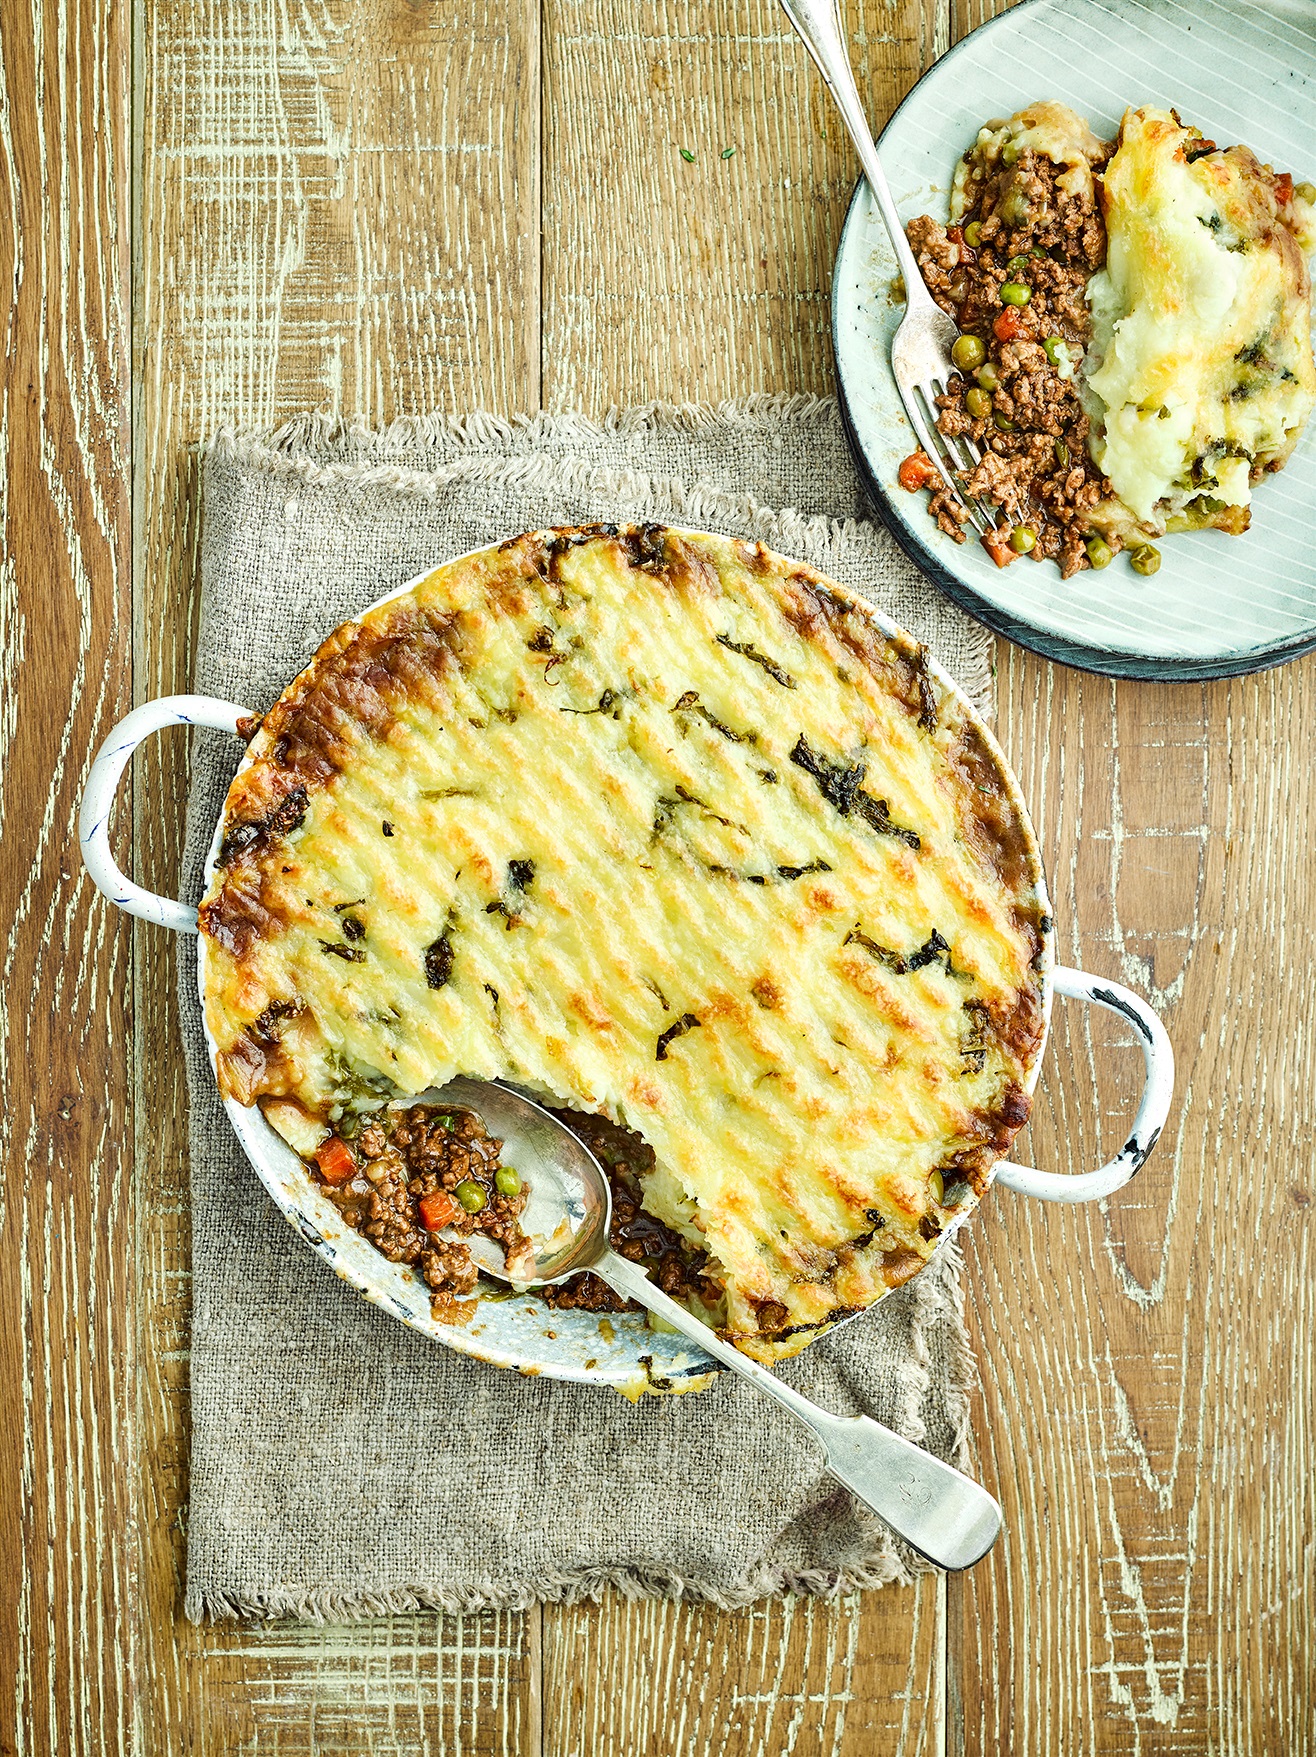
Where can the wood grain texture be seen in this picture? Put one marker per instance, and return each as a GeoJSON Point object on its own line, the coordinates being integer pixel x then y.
{"type": "Point", "coordinates": [341, 202]}
{"type": "Point", "coordinates": [1148, 1412]}
{"type": "Point", "coordinates": [337, 204]}
{"type": "Point", "coordinates": [65, 1571]}
{"type": "Point", "coordinates": [675, 279]}
{"type": "Point", "coordinates": [864, 1675]}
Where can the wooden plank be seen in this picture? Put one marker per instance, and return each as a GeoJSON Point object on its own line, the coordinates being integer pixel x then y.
{"type": "Point", "coordinates": [967, 15]}
{"type": "Point", "coordinates": [674, 279]}
{"type": "Point", "coordinates": [65, 1641]}
{"type": "Point", "coordinates": [1147, 1413]}
{"type": "Point", "coordinates": [860, 1677]}
{"type": "Point", "coordinates": [670, 279]}
{"type": "Point", "coordinates": [337, 204]}
{"type": "Point", "coordinates": [394, 1686]}
{"type": "Point", "coordinates": [1148, 1410]}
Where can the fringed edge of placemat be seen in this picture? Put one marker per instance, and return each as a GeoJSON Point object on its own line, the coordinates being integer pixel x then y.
{"type": "Point", "coordinates": [325, 1605]}
{"type": "Point", "coordinates": [702, 503]}
{"type": "Point", "coordinates": [319, 430]}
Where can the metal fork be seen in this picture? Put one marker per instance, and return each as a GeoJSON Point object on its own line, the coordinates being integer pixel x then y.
{"type": "Point", "coordinates": [920, 350]}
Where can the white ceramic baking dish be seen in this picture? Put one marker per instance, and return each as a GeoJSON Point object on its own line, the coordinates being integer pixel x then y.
{"type": "Point", "coordinates": [520, 1331]}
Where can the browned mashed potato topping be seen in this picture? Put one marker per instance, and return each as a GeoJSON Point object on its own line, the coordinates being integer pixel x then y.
{"type": "Point", "coordinates": [662, 826]}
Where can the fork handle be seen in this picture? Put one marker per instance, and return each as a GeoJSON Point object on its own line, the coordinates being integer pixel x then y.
{"type": "Point", "coordinates": [818, 23]}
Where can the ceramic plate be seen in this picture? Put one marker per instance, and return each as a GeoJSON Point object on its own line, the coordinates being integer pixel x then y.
{"type": "Point", "coordinates": [1242, 72]}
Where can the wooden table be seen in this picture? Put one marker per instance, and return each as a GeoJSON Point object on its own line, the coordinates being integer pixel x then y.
{"type": "Point", "coordinates": [233, 209]}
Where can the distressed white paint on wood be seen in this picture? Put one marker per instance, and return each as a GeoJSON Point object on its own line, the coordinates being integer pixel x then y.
{"type": "Point", "coordinates": [396, 1687]}
{"type": "Point", "coordinates": [64, 606]}
{"type": "Point", "coordinates": [342, 200]}
{"type": "Point", "coordinates": [644, 1679]}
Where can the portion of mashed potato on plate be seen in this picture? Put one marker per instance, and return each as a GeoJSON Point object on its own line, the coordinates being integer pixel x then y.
{"type": "Point", "coordinates": [1199, 376]}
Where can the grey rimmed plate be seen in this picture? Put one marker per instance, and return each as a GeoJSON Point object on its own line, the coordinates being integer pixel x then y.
{"type": "Point", "coordinates": [1242, 72]}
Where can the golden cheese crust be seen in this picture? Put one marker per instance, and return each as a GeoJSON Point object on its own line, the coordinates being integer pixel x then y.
{"type": "Point", "coordinates": [664, 826]}
{"type": "Point", "coordinates": [1200, 376]}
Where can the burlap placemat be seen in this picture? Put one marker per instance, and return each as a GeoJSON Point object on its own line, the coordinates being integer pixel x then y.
{"type": "Point", "coordinates": [342, 1465]}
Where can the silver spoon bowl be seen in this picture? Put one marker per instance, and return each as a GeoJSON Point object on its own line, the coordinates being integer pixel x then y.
{"type": "Point", "coordinates": [938, 1511]}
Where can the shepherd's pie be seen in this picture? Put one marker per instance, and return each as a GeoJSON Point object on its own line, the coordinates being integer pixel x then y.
{"type": "Point", "coordinates": [662, 826]}
{"type": "Point", "coordinates": [1136, 350]}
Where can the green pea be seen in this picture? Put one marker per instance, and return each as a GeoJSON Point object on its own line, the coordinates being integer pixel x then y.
{"type": "Point", "coordinates": [1016, 265]}
{"type": "Point", "coordinates": [936, 1186]}
{"type": "Point", "coordinates": [973, 234]}
{"type": "Point", "coordinates": [1306, 190]}
{"type": "Point", "coordinates": [1145, 559]}
{"type": "Point", "coordinates": [1053, 345]}
{"type": "Point", "coordinates": [1100, 553]}
{"type": "Point", "coordinates": [1010, 152]}
{"type": "Point", "coordinates": [1015, 293]}
{"type": "Point", "coordinates": [988, 376]}
{"type": "Point", "coordinates": [508, 1181]}
{"type": "Point", "coordinates": [1062, 453]}
{"type": "Point", "coordinates": [978, 403]}
{"type": "Point", "coordinates": [471, 1195]}
{"type": "Point", "coordinates": [967, 353]}
{"type": "Point", "coordinates": [1022, 539]}
{"type": "Point", "coordinates": [1004, 423]}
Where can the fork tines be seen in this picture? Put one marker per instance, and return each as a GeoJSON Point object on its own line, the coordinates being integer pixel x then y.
{"type": "Point", "coordinates": [942, 450]}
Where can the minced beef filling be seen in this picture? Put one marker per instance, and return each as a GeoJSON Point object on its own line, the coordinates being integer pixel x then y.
{"type": "Point", "coordinates": [405, 1176]}
{"type": "Point", "coordinates": [1025, 417]}
{"type": "Point", "coordinates": [676, 1265]}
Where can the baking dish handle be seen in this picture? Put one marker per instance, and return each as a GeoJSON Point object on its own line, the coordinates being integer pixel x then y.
{"type": "Point", "coordinates": [1158, 1059]}
{"type": "Point", "coordinates": [103, 783]}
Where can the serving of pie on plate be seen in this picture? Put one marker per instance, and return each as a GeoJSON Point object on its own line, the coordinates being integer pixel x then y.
{"type": "Point", "coordinates": [668, 829]}
{"type": "Point", "coordinates": [1240, 71]}
{"type": "Point", "coordinates": [1137, 346]}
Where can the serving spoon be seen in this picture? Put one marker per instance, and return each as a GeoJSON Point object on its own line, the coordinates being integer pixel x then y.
{"type": "Point", "coordinates": [944, 1515]}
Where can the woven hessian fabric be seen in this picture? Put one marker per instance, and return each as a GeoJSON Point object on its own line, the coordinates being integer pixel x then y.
{"type": "Point", "coordinates": [342, 1465]}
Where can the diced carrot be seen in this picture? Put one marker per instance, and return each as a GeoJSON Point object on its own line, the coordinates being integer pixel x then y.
{"type": "Point", "coordinates": [1009, 326]}
{"type": "Point", "coordinates": [997, 544]}
{"type": "Point", "coordinates": [1284, 188]}
{"type": "Point", "coordinates": [336, 1162]}
{"type": "Point", "coordinates": [917, 471]}
{"type": "Point", "coordinates": [956, 236]}
{"type": "Point", "coordinates": [438, 1210]}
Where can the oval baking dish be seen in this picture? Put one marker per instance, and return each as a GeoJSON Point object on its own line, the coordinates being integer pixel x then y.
{"type": "Point", "coordinates": [645, 585]}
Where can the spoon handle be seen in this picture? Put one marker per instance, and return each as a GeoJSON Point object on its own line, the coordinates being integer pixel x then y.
{"type": "Point", "coordinates": [939, 1512]}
